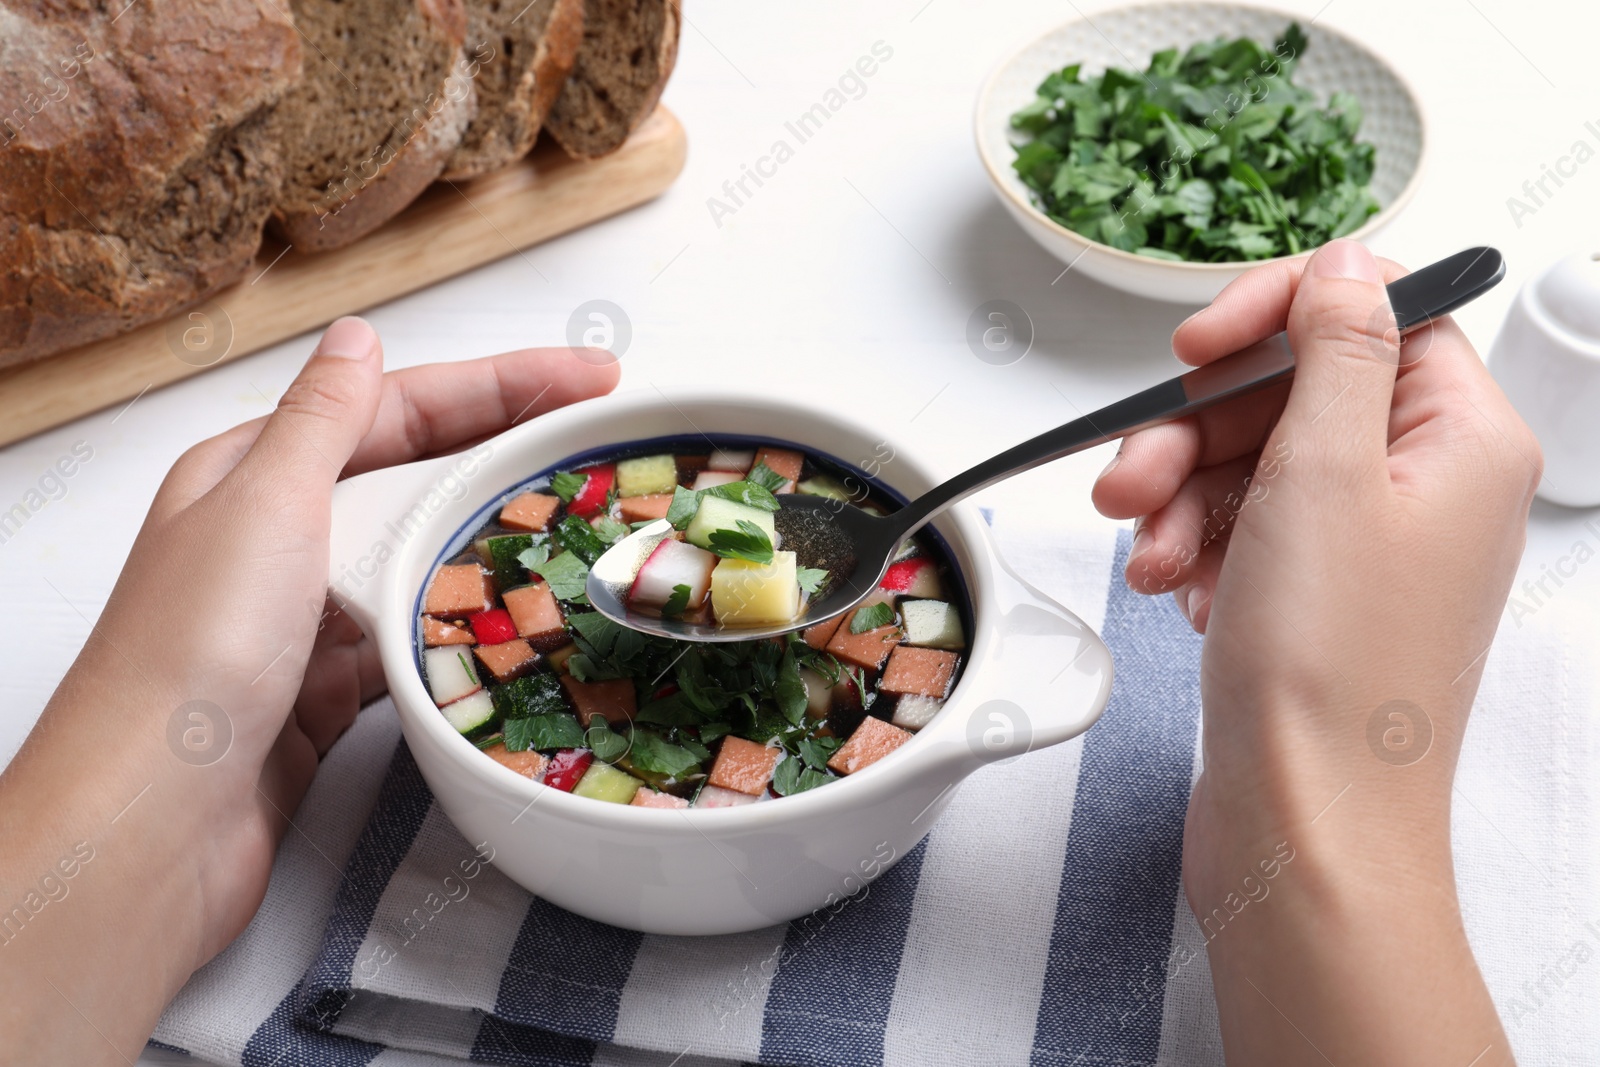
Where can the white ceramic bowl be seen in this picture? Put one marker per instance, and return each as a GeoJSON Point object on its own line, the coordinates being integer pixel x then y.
{"type": "Point", "coordinates": [1036, 675]}
{"type": "Point", "coordinates": [1127, 36]}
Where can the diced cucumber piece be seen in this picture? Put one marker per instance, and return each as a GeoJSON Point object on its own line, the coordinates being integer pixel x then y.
{"type": "Point", "coordinates": [558, 659]}
{"type": "Point", "coordinates": [450, 673]}
{"type": "Point", "coordinates": [500, 554]}
{"type": "Point", "coordinates": [718, 513]}
{"type": "Point", "coordinates": [824, 485]}
{"type": "Point", "coordinates": [604, 782]}
{"type": "Point", "coordinates": [646, 475]}
{"type": "Point", "coordinates": [579, 538]}
{"type": "Point", "coordinates": [470, 712]}
{"type": "Point", "coordinates": [754, 594]}
{"type": "Point", "coordinates": [913, 712]}
{"type": "Point", "coordinates": [932, 624]}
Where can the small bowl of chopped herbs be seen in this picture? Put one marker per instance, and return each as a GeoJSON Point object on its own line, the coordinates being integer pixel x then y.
{"type": "Point", "coordinates": [1164, 149]}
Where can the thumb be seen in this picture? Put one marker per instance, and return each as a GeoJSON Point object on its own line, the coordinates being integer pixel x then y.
{"type": "Point", "coordinates": [325, 412]}
{"type": "Point", "coordinates": [1341, 331]}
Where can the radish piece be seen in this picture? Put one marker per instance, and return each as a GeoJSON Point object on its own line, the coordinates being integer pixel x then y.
{"type": "Point", "coordinates": [673, 563]}
{"type": "Point", "coordinates": [714, 796]}
{"type": "Point", "coordinates": [450, 673]}
{"type": "Point", "coordinates": [591, 499]}
{"type": "Point", "coordinates": [493, 627]}
{"type": "Point", "coordinates": [912, 577]}
{"type": "Point", "coordinates": [470, 712]}
{"type": "Point", "coordinates": [567, 767]}
{"type": "Point", "coordinates": [724, 460]}
{"type": "Point", "coordinates": [707, 479]}
{"type": "Point", "coordinates": [914, 712]}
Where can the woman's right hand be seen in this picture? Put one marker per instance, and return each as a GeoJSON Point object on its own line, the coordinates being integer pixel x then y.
{"type": "Point", "coordinates": [1346, 544]}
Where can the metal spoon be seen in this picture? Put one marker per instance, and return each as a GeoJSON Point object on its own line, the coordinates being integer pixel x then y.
{"type": "Point", "coordinates": [856, 547]}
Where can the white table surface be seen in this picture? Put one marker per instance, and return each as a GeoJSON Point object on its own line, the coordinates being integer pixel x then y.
{"type": "Point", "coordinates": [850, 275]}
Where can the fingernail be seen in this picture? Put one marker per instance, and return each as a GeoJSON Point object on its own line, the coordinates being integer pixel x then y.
{"type": "Point", "coordinates": [1142, 540]}
{"type": "Point", "coordinates": [1111, 466]}
{"type": "Point", "coordinates": [347, 338]}
{"type": "Point", "coordinates": [1346, 259]}
{"type": "Point", "coordinates": [1195, 600]}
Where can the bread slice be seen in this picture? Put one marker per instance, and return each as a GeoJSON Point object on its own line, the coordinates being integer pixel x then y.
{"type": "Point", "coordinates": [521, 53]}
{"type": "Point", "coordinates": [629, 47]}
{"type": "Point", "coordinates": [384, 102]}
{"type": "Point", "coordinates": [138, 160]}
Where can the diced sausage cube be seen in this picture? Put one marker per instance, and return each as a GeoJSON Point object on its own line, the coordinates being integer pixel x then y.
{"type": "Point", "coordinates": [649, 798]}
{"type": "Point", "coordinates": [613, 701]}
{"type": "Point", "coordinates": [868, 649]}
{"type": "Point", "coordinates": [872, 740]}
{"type": "Point", "coordinates": [923, 672]}
{"type": "Point", "coordinates": [529, 764]}
{"type": "Point", "coordinates": [782, 461]}
{"type": "Point", "coordinates": [645, 508]}
{"type": "Point", "coordinates": [507, 660]}
{"type": "Point", "coordinates": [458, 590]}
{"type": "Point", "coordinates": [819, 635]}
{"type": "Point", "coordinates": [536, 616]}
{"type": "Point", "coordinates": [436, 633]}
{"type": "Point", "coordinates": [744, 766]}
{"type": "Point", "coordinates": [529, 511]}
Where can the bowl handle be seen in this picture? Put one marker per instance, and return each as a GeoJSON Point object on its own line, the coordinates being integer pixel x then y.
{"type": "Point", "coordinates": [1048, 680]}
{"type": "Point", "coordinates": [376, 514]}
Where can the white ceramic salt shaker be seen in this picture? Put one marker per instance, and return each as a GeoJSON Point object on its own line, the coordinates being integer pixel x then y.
{"type": "Point", "coordinates": [1547, 359]}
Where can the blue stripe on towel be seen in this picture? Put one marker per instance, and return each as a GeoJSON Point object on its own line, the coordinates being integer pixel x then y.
{"type": "Point", "coordinates": [402, 804]}
{"type": "Point", "coordinates": [520, 1046]}
{"type": "Point", "coordinates": [1103, 990]}
{"type": "Point", "coordinates": [829, 1002]}
{"type": "Point", "coordinates": [565, 974]}
{"type": "Point", "coordinates": [283, 1039]}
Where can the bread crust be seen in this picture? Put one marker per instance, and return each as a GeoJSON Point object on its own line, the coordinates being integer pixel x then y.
{"type": "Point", "coordinates": [362, 204]}
{"type": "Point", "coordinates": [563, 120]}
{"type": "Point", "coordinates": [536, 90]}
{"type": "Point", "coordinates": [138, 161]}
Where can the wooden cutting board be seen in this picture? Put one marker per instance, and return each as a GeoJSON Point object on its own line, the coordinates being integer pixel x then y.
{"type": "Point", "coordinates": [451, 228]}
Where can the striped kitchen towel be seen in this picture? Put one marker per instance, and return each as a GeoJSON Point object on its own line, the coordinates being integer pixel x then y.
{"type": "Point", "coordinates": [1042, 921]}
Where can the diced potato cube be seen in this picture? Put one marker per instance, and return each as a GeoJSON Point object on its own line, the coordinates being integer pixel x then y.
{"type": "Point", "coordinates": [744, 766]}
{"type": "Point", "coordinates": [436, 633]}
{"type": "Point", "coordinates": [604, 782]}
{"type": "Point", "coordinates": [450, 673]}
{"type": "Point", "coordinates": [872, 740]}
{"type": "Point", "coordinates": [782, 461]}
{"type": "Point", "coordinates": [644, 508]}
{"type": "Point", "coordinates": [507, 660]}
{"type": "Point", "coordinates": [645, 475]}
{"type": "Point", "coordinates": [716, 513]}
{"type": "Point", "coordinates": [535, 614]}
{"type": "Point", "coordinates": [755, 594]}
{"type": "Point", "coordinates": [723, 459]}
{"type": "Point", "coordinates": [923, 672]}
{"type": "Point", "coordinates": [458, 590]}
{"type": "Point", "coordinates": [867, 650]}
{"type": "Point", "coordinates": [529, 764]}
{"type": "Point", "coordinates": [649, 798]}
{"type": "Point", "coordinates": [614, 700]}
{"type": "Point", "coordinates": [932, 624]}
{"type": "Point", "coordinates": [914, 712]}
{"type": "Point", "coordinates": [819, 694]}
{"type": "Point", "coordinates": [712, 796]}
{"type": "Point", "coordinates": [529, 511]}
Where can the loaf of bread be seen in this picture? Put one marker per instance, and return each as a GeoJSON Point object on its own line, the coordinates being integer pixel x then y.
{"type": "Point", "coordinates": [520, 54]}
{"type": "Point", "coordinates": [629, 48]}
{"type": "Point", "coordinates": [383, 103]}
{"type": "Point", "coordinates": [138, 159]}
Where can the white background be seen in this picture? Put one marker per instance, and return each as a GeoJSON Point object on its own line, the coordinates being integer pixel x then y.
{"type": "Point", "coordinates": [848, 279]}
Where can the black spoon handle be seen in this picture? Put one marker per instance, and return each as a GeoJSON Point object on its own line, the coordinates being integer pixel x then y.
{"type": "Point", "coordinates": [1417, 299]}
